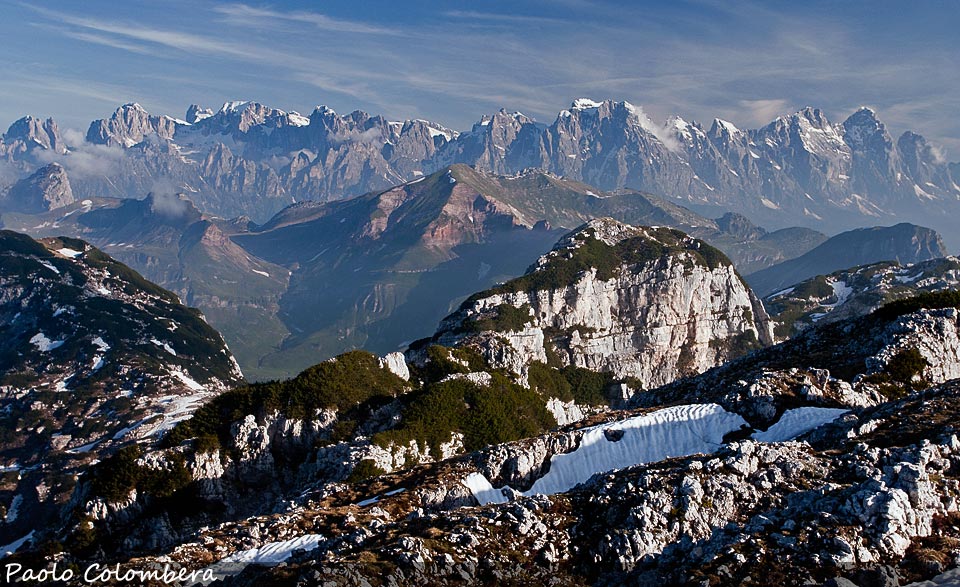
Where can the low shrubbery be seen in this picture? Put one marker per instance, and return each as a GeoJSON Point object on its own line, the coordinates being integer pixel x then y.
{"type": "Point", "coordinates": [345, 383]}
{"type": "Point", "coordinates": [503, 318]}
{"type": "Point", "coordinates": [502, 412]}
{"type": "Point", "coordinates": [570, 383]}
{"type": "Point", "coordinates": [924, 301]}
{"type": "Point", "coordinates": [115, 477]}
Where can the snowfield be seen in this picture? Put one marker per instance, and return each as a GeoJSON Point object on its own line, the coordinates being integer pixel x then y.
{"type": "Point", "coordinates": [270, 554]}
{"type": "Point", "coordinates": [671, 432]}
{"type": "Point", "coordinates": [799, 421]}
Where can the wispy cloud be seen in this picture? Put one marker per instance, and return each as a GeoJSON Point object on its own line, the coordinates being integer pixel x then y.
{"type": "Point", "coordinates": [521, 19]}
{"type": "Point", "coordinates": [760, 112]}
{"type": "Point", "coordinates": [179, 40]}
{"type": "Point", "coordinates": [746, 61]}
{"type": "Point", "coordinates": [245, 15]}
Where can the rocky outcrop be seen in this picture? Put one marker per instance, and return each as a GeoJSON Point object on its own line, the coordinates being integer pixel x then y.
{"type": "Point", "coordinates": [645, 303]}
{"type": "Point", "coordinates": [129, 125]}
{"type": "Point", "coordinates": [860, 362]}
{"type": "Point", "coordinates": [92, 358]}
{"type": "Point", "coordinates": [47, 189]}
{"type": "Point", "coordinates": [30, 134]}
{"type": "Point", "coordinates": [869, 498]}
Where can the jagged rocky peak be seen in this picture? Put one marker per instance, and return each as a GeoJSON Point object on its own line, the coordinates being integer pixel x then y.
{"type": "Point", "coordinates": [619, 110]}
{"type": "Point", "coordinates": [861, 125]}
{"type": "Point", "coordinates": [129, 125]}
{"type": "Point", "coordinates": [29, 133]}
{"type": "Point", "coordinates": [47, 188]}
{"type": "Point", "coordinates": [723, 129]}
{"type": "Point", "coordinates": [196, 113]}
{"type": "Point", "coordinates": [645, 302]}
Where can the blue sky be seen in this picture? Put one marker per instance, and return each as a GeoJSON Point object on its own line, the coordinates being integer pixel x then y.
{"type": "Point", "coordinates": [453, 61]}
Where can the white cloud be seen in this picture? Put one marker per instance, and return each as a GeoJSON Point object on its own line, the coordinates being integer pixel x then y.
{"type": "Point", "coordinates": [760, 112]}
{"type": "Point", "coordinates": [244, 15]}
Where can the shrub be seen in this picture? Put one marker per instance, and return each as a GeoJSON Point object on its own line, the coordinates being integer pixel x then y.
{"type": "Point", "coordinates": [364, 470]}
{"type": "Point", "coordinates": [905, 365]}
{"type": "Point", "coordinates": [115, 477]}
{"type": "Point", "coordinates": [485, 415]}
{"type": "Point", "coordinates": [504, 318]}
{"type": "Point", "coordinates": [345, 383]}
{"type": "Point", "coordinates": [926, 300]}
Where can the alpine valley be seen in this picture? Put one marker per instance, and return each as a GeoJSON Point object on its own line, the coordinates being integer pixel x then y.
{"type": "Point", "coordinates": [339, 350]}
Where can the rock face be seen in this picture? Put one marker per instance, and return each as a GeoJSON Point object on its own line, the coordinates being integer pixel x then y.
{"type": "Point", "coordinates": [28, 134]}
{"type": "Point", "coordinates": [651, 304]}
{"type": "Point", "coordinates": [47, 189]}
{"type": "Point", "coordinates": [129, 125]}
{"type": "Point", "coordinates": [904, 243]}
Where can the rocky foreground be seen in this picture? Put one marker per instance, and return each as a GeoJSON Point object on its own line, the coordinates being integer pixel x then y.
{"type": "Point", "coordinates": [830, 457]}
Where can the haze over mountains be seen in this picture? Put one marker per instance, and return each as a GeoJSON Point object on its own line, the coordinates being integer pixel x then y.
{"type": "Point", "coordinates": [247, 158]}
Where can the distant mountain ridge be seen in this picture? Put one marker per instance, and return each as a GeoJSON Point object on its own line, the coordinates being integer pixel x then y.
{"type": "Point", "coordinates": [384, 267]}
{"type": "Point", "coordinates": [247, 158]}
{"type": "Point", "coordinates": [903, 243]}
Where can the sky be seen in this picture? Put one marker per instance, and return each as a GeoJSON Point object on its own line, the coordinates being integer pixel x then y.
{"type": "Point", "coordinates": [453, 61]}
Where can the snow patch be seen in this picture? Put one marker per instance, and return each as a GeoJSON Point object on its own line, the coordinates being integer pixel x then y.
{"type": "Point", "coordinates": [481, 489]}
{"type": "Point", "coordinates": [270, 554]}
{"type": "Point", "coordinates": [264, 273]}
{"type": "Point", "coordinates": [72, 253]}
{"type": "Point", "coordinates": [585, 104]}
{"type": "Point", "coordinates": [297, 119]}
{"type": "Point", "coordinates": [186, 380]}
{"type": "Point", "coordinates": [798, 421]}
{"type": "Point", "coordinates": [15, 545]}
{"type": "Point", "coordinates": [670, 432]}
{"type": "Point", "coordinates": [84, 449]}
{"type": "Point", "coordinates": [44, 344]}
{"type": "Point", "coordinates": [165, 346]}
{"type": "Point", "coordinates": [49, 266]}
{"type": "Point", "coordinates": [14, 510]}
{"type": "Point", "coordinates": [841, 291]}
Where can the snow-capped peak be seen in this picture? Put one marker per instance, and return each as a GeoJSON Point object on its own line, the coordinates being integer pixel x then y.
{"type": "Point", "coordinates": [297, 119]}
{"type": "Point", "coordinates": [727, 126]}
{"type": "Point", "coordinates": [585, 104]}
{"type": "Point", "coordinates": [235, 106]}
{"type": "Point", "coordinates": [325, 110]}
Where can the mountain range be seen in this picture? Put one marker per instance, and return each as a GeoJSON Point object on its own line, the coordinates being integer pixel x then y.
{"type": "Point", "coordinates": [250, 159]}
{"type": "Point", "coordinates": [388, 265]}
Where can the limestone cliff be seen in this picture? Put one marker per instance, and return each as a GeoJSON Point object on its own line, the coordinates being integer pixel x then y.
{"type": "Point", "coordinates": [648, 303]}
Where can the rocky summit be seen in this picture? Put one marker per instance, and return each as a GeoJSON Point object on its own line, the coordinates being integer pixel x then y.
{"type": "Point", "coordinates": [651, 304]}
